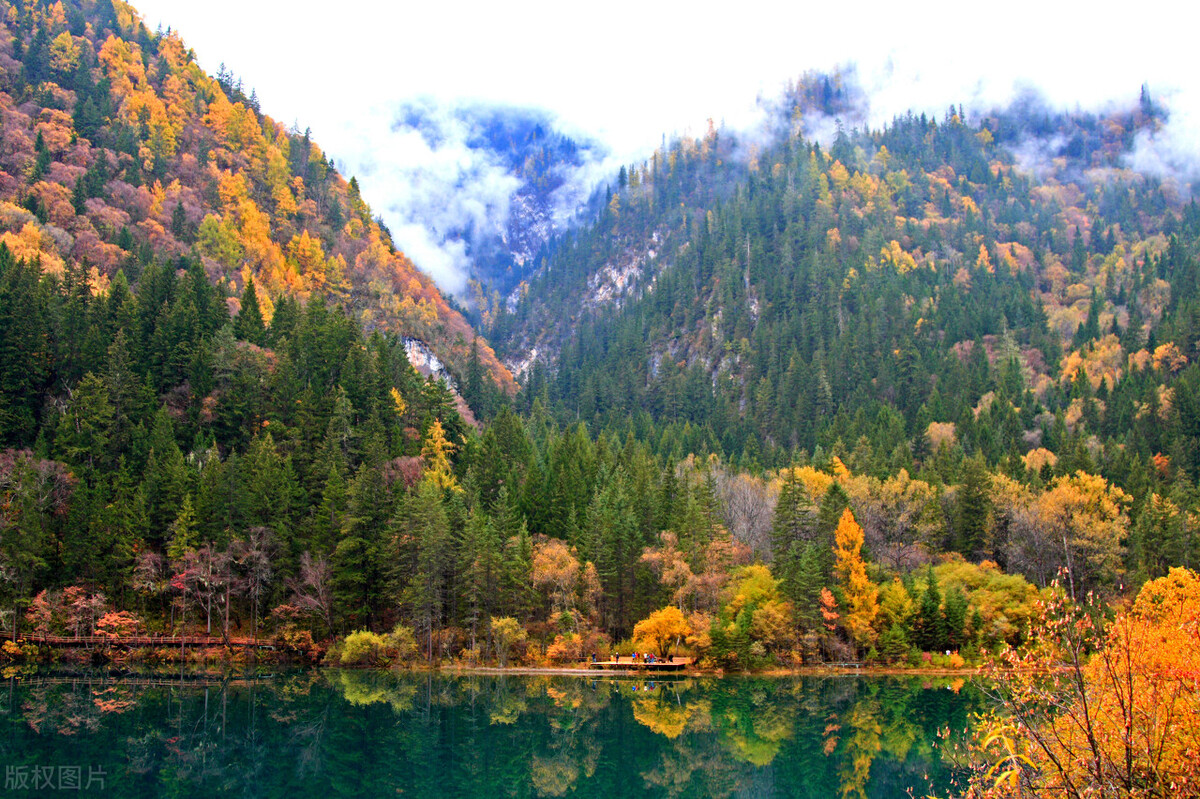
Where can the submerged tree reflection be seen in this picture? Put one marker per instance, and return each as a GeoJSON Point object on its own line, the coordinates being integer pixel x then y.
{"type": "Point", "coordinates": [337, 733]}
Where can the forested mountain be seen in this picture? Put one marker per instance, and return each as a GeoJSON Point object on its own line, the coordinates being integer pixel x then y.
{"type": "Point", "coordinates": [118, 150]}
{"type": "Point", "coordinates": [790, 402]}
{"type": "Point", "coordinates": [922, 283]}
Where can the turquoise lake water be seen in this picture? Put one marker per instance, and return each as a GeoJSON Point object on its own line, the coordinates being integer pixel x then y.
{"type": "Point", "coordinates": [367, 734]}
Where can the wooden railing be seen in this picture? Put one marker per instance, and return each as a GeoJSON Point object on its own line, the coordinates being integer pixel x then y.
{"type": "Point", "coordinates": [675, 664]}
{"type": "Point", "coordinates": [201, 641]}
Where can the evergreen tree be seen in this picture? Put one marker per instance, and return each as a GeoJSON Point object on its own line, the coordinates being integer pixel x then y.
{"type": "Point", "coordinates": [425, 598]}
{"type": "Point", "coordinates": [249, 325]}
{"type": "Point", "coordinates": [166, 479]}
{"type": "Point", "coordinates": [183, 537]}
{"type": "Point", "coordinates": [929, 627]}
{"type": "Point", "coordinates": [956, 618]}
{"type": "Point", "coordinates": [793, 531]}
{"type": "Point", "coordinates": [84, 429]}
{"type": "Point", "coordinates": [974, 508]}
{"type": "Point", "coordinates": [357, 566]}
{"type": "Point", "coordinates": [478, 569]}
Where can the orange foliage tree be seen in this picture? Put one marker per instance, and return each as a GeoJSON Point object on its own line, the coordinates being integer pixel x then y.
{"type": "Point", "coordinates": [861, 596]}
{"type": "Point", "coordinates": [1124, 721]}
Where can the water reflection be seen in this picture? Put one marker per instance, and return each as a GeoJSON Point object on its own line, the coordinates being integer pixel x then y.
{"type": "Point", "coordinates": [333, 733]}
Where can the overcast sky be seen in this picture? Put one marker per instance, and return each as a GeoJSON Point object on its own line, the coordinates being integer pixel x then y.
{"type": "Point", "coordinates": [628, 72]}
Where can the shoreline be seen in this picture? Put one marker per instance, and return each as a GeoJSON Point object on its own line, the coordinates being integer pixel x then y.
{"type": "Point", "coordinates": [213, 667]}
{"type": "Point", "coordinates": [804, 671]}
{"type": "Point", "coordinates": [206, 658]}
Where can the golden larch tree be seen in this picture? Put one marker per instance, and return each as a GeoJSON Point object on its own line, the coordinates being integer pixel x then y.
{"type": "Point", "coordinates": [861, 596]}
{"type": "Point", "coordinates": [436, 451]}
{"type": "Point", "coordinates": [661, 629]}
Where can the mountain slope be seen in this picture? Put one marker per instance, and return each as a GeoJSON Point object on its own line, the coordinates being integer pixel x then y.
{"type": "Point", "coordinates": [119, 150]}
{"type": "Point", "coordinates": [934, 275]}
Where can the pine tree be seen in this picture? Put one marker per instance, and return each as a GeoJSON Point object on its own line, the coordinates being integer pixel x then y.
{"type": "Point", "coordinates": [425, 597]}
{"type": "Point", "coordinates": [220, 497]}
{"type": "Point", "coordinates": [792, 531]}
{"type": "Point", "coordinates": [929, 628]}
{"type": "Point", "coordinates": [955, 613]}
{"type": "Point", "coordinates": [83, 431]}
{"type": "Point", "coordinates": [249, 325]}
{"type": "Point", "coordinates": [182, 538]}
{"type": "Point", "coordinates": [330, 513]}
{"type": "Point", "coordinates": [271, 492]}
{"type": "Point", "coordinates": [974, 508]}
{"type": "Point", "coordinates": [106, 524]}
{"type": "Point", "coordinates": [166, 479]}
{"type": "Point", "coordinates": [477, 570]}
{"type": "Point", "coordinates": [810, 578]}
{"type": "Point", "coordinates": [36, 493]}
{"type": "Point", "coordinates": [613, 542]}
{"type": "Point", "coordinates": [516, 558]}
{"type": "Point", "coordinates": [25, 355]}
{"type": "Point", "coordinates": [357, 563]}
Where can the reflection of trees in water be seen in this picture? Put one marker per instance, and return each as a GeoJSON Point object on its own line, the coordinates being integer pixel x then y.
{"type": "Point", "coordinates": [861, 744]}
{"type": "Point", "coordinates": [61, 709]}
{"type": "Point", "coordinates": [666, 716]}
{"type": "Point", "coordinates": [696, 766]}
{"type": "Point", "coordinates": [506, 705]}
{"type": "Point", "coordinates": [190, 740]}
{"type": "Point", "coordinates": [696, 760]}
{"type": "Point", "coordinates": [370, 733]}
{"type": "Point", "coordinates": [573, 747]}
{"type": "Point", "coordinates": [873, 732]}
{"type": "Point", "coordinates": [362, 688]}
{"type": "Point", "coordinates": [810, 734]}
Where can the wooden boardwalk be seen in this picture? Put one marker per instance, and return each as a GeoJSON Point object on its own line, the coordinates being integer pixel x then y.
{"type": "Point", "coordinates": [629, 664]}
{"type": "Point", "coordinates": [138, 641]}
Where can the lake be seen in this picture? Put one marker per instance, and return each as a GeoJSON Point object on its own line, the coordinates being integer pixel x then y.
{"type": "Point", "coordinates": [331, 733]}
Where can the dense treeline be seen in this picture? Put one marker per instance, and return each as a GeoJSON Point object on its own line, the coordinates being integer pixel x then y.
{"type": "Point", "coordinates": [851, 297]}
{"type": "Point", "coordinates": [167, 461]}
{"type": "Point", "coordinates": [145, 425]}
{"type": "Point", "coordinates": [862, 401]}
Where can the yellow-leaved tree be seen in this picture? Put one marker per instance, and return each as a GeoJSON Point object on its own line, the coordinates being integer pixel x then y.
{"type": "Point", "coordinates": [436, 451]}
{"type": "Point", "coordinates": [1091, 712]}
{"type": "Point", "coordinates": [860, 596]}
{"type": "Point", "coordinates": [662, 629]}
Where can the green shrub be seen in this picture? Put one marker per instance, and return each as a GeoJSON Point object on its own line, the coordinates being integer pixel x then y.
{"type": "Point", "coordinates": [402, 644]}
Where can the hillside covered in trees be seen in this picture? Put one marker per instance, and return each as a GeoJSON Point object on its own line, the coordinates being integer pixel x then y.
{"type": "Point", "coordinates": [793, 403]}
{"type": "Point", "coordinates": [1006, 284]}
{"type": "Point", "coordinates": [119, 151]}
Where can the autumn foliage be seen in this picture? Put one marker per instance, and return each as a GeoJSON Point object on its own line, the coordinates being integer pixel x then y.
{"type": "Point", "coordinates": [662, 629]}
{"type": "Point", "coordinates": [1123, 720]}
{"type": "Point", "coordinates": [119, 150]}
{"type": "Point", "coordinates": [861, 604]}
